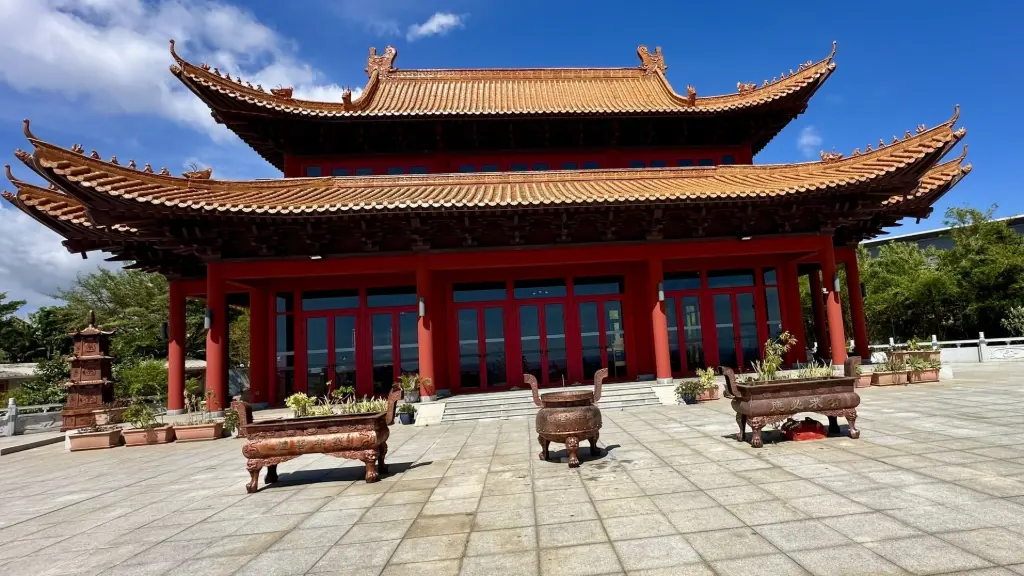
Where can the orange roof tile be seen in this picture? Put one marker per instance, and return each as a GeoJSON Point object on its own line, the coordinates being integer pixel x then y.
{"type": "Point", "coordinates": [55, 205]}
{"type": "Point", "coordinates": [394, 92]}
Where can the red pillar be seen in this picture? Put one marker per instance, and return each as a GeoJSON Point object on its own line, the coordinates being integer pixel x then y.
{"type": "Point", "coordinates": [216, 340]}
{"type": "Point", "coordinates": [259, 387]}
{"type": "Point", "coordinates": [833, 309]}
{"type": "Point", "coordinates": [428, 386]}
{"type": "Point", "coordinates": [176, 349]}
{"type": "Point", "coordinates": [659, 323]}
{"type": "Point", "coordinates": [817, 306]}
{"type": "Point", "coordinates": [860, 327]}
{"type": "Point", "coordinates": [794, 321]}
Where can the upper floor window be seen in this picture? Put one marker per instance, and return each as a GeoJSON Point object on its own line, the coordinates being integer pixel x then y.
{"type": "Point", "coordinates": [341, 172]}
{"type": "Point", "coordinates": [686, 162]}
{"type": "Point", "coordinates": [657, 163]}
{"type": "Point", "coordinates": [591, 165]}
{"type": "Point", "coordinates": [705, 162]}
{"type": "Point", "coordinates": [519, 167]}
{"type": "Point", "coordinates": [364, 171]}
{"type": "Point", "coordinates": [637, 164]}
{"type": "Point", "coordinates": [728, 159]}
{"type": "Point", "coordinates": [570, 166]}
{"type": "Point", "coordinates": [540, 166]}
{"type": "Point", "coordinates": [467, 168]}
{"type": "Point", "coordinates": [489, 168]}
{"type": "Point", "coordinates": [312, 170]}
{"type": "Point", "coordinates": [418, 170]}
{"type": "Point", "coordinates": [396, 170]}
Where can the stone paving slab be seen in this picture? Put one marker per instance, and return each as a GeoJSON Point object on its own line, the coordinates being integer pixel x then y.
{"type": "Point", "coordinates": [935, 485]}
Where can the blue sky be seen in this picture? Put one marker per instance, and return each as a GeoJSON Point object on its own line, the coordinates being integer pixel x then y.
{"type": "Point", "coordinates": [95, 72]}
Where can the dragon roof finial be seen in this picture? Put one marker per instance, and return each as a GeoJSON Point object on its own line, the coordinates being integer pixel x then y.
{"type": "Point", "coordinates": [651, 63]}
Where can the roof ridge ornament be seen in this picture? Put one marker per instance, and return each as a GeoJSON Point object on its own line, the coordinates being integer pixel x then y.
{"type": "Point", "coordinates": [691, 95]}
{"type": "Point", "coordinates": [742, 87]}
{"type": "Point", "coordinates": [956, 114]}
{"type": "Point", "coordinates": [282, 92]}
{"type": "Point", "coordinates": [651, 63]}
{"type": "Point", "coordinates": [9, 174]}
{"type": "Point", "coordinates": [196, 174]}
{"type": "Point", "coordinates": [383, 64]}
{"type": "Point", "coordinates": [27, 129]}
{"type": "Point", "coordinates": [962, 155]}
{"type": "Point", "coordinates": [832, 156]}
{"type": "Point", "coordinates": [21, 155]}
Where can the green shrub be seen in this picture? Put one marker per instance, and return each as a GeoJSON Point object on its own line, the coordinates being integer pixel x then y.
{"type": "Point", "coordinates": [141, 415]}
{"type": "Point", "coordinates": [141, 379]}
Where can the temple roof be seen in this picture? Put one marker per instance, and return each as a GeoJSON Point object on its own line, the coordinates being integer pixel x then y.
{"type": "Point", "coordinates": [393, 92]}
{"type": "Point", "coordinates": [103, 183]}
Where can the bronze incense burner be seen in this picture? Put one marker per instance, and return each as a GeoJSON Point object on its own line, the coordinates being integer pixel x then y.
{"type": "Point", "coordinates": [568, 417]}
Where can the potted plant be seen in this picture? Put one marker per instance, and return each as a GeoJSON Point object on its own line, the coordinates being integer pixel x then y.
{"type": "Point", "coordinates": [407, 413]}
{"type": "Point", "coordinates": [342, 393]}
{"type": "Point", "coordinates": [915, 349]}
{"type": "Point", "coordinates": [863, 378]}
{"type": "Point", "coordinates": [894, 371]}
{"type": "Point", "coordinates": [199, 425]}
{"type": "Point", "coordinates": [410, 385]}
{"type": "Point", "coordinates": [146, 428]}
{"type": "Point", "coordinates": [231, 422]}
{"type": "Point", "coordinates": [709, 386]}
{"type": "Point", "coordinates": [689, 390]}
{"type": "Point", "coordinates": [300, 404]}
{"type": "Point", "coordinates": [111, 413]}
{"type": "Point", "coordinates": [922, 370]}
{"type": "Point", "coordinates": [95, 437]}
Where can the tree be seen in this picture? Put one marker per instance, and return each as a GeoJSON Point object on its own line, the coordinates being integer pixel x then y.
{"type": "Point", "coordinates": [11, 328]}
{"type": "Point", "coordinates": [238, 338]}
{"type": "Point", "coordinates": [47, 387]}
{"type": "Point", "coordinates": [1014, 321]}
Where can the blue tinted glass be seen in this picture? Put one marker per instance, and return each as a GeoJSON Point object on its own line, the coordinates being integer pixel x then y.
{"type": "Point", "coordinates": [418, 170]}
{"type": "Point", "coordinates": [686, 162]}
{"type": "Point", "coordinates": [284, 301]}
{"type": "Point", "coordinates": [489, 168]}
{"type": "Point", "coordinates": [539, 288]}
{"type": "Point", "coordinates": [728, 159]}
{"type": "Point", "coordinates": [341, 172]}
{"type": "Point", "coordinates": [519, 167]}
{"type": "Point", "coordinates": [540, 166]}
{"type": "Point", "coordinates": [705, 162]}
{"type": "Point", "coordinates": [396, 170]}
{"type": "Point", "coordinates": [591, 165]}
{"type": "Point", "coordinates": [682, 281]}
{"type": "Point", "coordinates": [637, 164]}
{"type": "Point", "coordinates": [312, 170]}
{"type": "Point", "coordinates": [570, 166]}
{"type": "Point", "coordinates": [364, 171]}
{"type": "Point", "coordinates": [397, 296]}
{"type": "Point", "coordinates": [330, 299]}
{"type": "Point", "coordinates": [597, 285]}
{"type": "Point", "coordinates": [657, 163]}
{"type": "Point", "coordinates": [730, 278]}
{"type": "Point", "coordinates": [479, 292]}
{"type": "Point", "coordinates": [467, 168]}
{"type": "Point", "coordinates": [769, 276]}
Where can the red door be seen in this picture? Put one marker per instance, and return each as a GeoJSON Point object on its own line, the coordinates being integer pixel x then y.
{"type": "Point", "coordinates": [331, 359]}
{"type": "Point", "coordinates": [393, 350]}
{"type": "Point", "coordinates": [685, 336]}
{"type": "Point", "coordinates": [736, 328]}
{"type": "Point", "coordinates": [542, 341]}
{"type": "Point", "coordinates": [602, 337]}
{"type": "Point", "coordinates": [481, 349]}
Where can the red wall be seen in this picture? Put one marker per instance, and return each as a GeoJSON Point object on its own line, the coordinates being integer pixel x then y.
{"type": "Point", "coordinates": [450, 162]}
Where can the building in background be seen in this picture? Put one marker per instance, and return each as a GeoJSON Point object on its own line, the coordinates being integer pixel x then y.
{"type": "Point", "coordinates": [478, 225]}
{"type": "Point", "coordinates": [940, 238]}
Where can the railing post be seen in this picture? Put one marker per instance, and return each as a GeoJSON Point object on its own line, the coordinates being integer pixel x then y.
{"type": "Point", "coordinates": [892, 343]}
{"type": "Point", "coordinates": [12, 417]}
{"type": "Point", "coordinates": [982, 347]}
{"type": "Point", "coordinates": [935, 342]}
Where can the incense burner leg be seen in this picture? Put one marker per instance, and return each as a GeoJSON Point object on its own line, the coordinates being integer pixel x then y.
{"type": "Point", "coordinates": [271, 474]}
{"type": "Point", "coordinates": [371, 467]}
{"type": "Point", "coordinates": [756, 424]}
{"type": "Point", "coordinates": [833, 426]}
{"type": "Point", "coordinates": [254, 467]}
{"type": "Point", "coordinates": [572, 444]}
{"type": "Point", "coordinates": [594, 450]}
{"type": "Point", "coordinates": [741, 421]}
{"type": "Point", "coordinates": [851, 419]}
{"type": "Point", "coordinates": [544, 445]}
{"type": "Point", "coordinates": [382, 453]}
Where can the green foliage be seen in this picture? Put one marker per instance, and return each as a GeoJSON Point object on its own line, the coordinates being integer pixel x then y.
{"type": "Point", "coordinates": [141, 415]}
{"type": "Point", "coordinates": [815, 369]}
{"type": "Point", "coordinates": [299, 404]}
{"type": "Point", "coordinates": [706, 376]}
{"type": "Point", "coordinates": [238, 338]}
{"type": "Point", "coordinates": [140, 378]}
{"type": "Point", "coordinates": [774, 349]}
{"type": "Point", "coordinates": [342, 393]}
{"type": "Point", "coordinates": [365, 405]}
{"type": "Point", "coordinates": [894, 363]}
{"type": "Point", "coordinates": [409, 382]}
{"type": "Point", "coordinates": [47, 387]}
{"type": "Point", "coordinates": [12, 329]}
{"type": "Point", "coordinates": [1013, 322]}
{"type": "Point", "coordinates": [691, 388]}
{"type": "Point", "coordinates": [231, 421]}
{"type": "Point", "coordinates": [406, 409]}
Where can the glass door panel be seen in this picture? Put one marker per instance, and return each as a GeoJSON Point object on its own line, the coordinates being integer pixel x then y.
{"type": "Point", "coordinates": [383, 353]}
{"type": "Point", "coordinates": [344, 351]}
{"type": "Point", "coordinates": [554, 343]}
{"type": "Point", "coordinates": [615, 339]}
{"type": "Point", "coordinates": [748, 327]}
{"type": "Point", "coordinates": [317, 360]}
{"type": "Point", "coordinates": [469, 349]}
{"type": "Point", "coordinates": [692, 336]}
{"type": "Point", "coordinates": [675, 357]}
{"type": "Point", "coordinates": [590, 337]}
{"type": "Point", "coordinates": [408, 342]}
{"type": "Point", "coordinates": [494, 346]}
{"type": "Point", "coordinates": [725, 331]}
{"type": "Point", "coordinates": [530, 342]}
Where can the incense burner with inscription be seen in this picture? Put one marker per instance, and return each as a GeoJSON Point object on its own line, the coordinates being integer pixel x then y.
{"type": "Point", "coordinates": [354, 436]}
{"type": "Point", "coordinates": [568, 417]}
{"type": "Point", "coordinates": [763, 403]}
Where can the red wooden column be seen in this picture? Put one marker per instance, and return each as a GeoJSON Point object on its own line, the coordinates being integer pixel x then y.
{"type": "Point", "coordinates": [259, 344]}
{"type": "Point", "coordinates": [216, 340]}
{"type": "Point", "coordinates": [794, 321]}
{"type": "Point", "coordinates": [176, 349]}
{"type": "Point", "coordinates": [425, 330]}
{"type": "Point", "coordinates": [817, 306]}
{"type": "Point", "coordinates": [659, 322]}
{"type": "Point", "coordinates": [833, 309]}
{"type": "Point", "coordinates": [860, 327]}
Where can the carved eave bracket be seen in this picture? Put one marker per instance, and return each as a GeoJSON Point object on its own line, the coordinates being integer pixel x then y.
{"type": "Point", "coordinates": [381, 64]}
{"type": "Point", "coordinates": [651, 63]}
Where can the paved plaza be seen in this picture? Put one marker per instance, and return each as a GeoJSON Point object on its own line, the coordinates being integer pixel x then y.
{"type": "Point", "coordinates": [935, 485]}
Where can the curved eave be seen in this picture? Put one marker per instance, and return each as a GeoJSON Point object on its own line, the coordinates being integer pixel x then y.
{"type": "Point", "coordinates": [103, 184]}
{"type": "Point", "coordinates": [934, 185]}
{"type": "Point", "coordinates": [480, 93]}
{"type": "Point", "coordinates": [62, 213]}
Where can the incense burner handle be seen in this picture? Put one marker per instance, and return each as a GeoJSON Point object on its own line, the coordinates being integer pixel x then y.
{"type": "Point", "coordinates": [730, 381]}
{"type": "Point", "coordinates": [532, 381]}
{"type": "Point", "coordinates": [393, 397]}
{"type": "Point", "coordinates": [851, 365]}
{"type": "Point", "coordinates": [244, 411]}
{"type": "Point", "coordinates": [599, 377]}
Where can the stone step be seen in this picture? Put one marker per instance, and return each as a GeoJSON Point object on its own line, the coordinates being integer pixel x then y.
{"type": "Point", "coordinates": [531, 412]}
{"type": "Point", "coordinates": [497, 397]}
{"type": "Point", "coordinates": [510, 404]}
{"type": "Point", "coordinates": [519, 404]}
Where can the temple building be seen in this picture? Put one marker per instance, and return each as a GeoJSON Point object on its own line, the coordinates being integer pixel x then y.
{"type": "Point", "coordinates": [478, 225]}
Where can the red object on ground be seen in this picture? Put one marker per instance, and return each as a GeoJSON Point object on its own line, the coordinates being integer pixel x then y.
{"type": "Point", "coordinates": [807, 430]}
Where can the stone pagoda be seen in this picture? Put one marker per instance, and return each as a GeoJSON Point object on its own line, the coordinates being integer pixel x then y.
{"type": "Point", "coordinates": [92, 383]}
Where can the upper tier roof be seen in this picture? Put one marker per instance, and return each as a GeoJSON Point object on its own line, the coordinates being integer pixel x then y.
{"type": "Point", "coordinates": [485, 92]}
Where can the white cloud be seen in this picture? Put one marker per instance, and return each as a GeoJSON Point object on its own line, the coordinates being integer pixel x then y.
{"type": "Point", "coordinates": [439, 24]}
{"type": "Point", "coordinates": [33, 263]}
{"type": "Point", "coordinates": [809, 141]}
{"type": "Point", "coordinates": [113, 54]}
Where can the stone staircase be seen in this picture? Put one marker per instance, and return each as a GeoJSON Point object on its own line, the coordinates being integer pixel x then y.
{"type": "Point", "coordinates": [519, 403]}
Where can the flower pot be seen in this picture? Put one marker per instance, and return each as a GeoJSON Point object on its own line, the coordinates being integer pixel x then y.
{"type": "Point", "coordinates": [108, 416]}
{"type": "Point", "coordinates": [144, 436]}
{"type": "Point", "coordinates": [194, 432]}
{"type": "Point", "coordinates": [708, 395]}
{"type": "Point", "coordinates": [407, 417]}
{"type": "Point", "coordinates": [888, 378]}
{"type": "Point", "coordinates": [688, 399]}
{"type": "Point", "coordinates": [411, 397]}
{"type": "Point", "coordinates": [864, 380]}
{"type": "Point", "coordinates": [929, 375]}
{"type": "Point", "coordinates": [95, 440]}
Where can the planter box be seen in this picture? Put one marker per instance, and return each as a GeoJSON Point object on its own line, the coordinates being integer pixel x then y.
{"type": "Point", "coordinates": [144, 436]}
{"type": "Point", "coordinates": [930, 375]}
{"type": "Point", "coordinates": [926, 355]}
{"type": "Point", "coordinates": [864, 380]}
{"type": "Point", "coordinates": [109, 416]}
{"type": "Point", "coordinates": [194, 432]}
{"type": "Point", "coordinates": [708, 395]}
{"type": "Point", "coordinates": [406, 418]}
{"type": "Point", "coordinates": [95, 440]}
{"type": "Point", "coordinates": [888, 378]}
